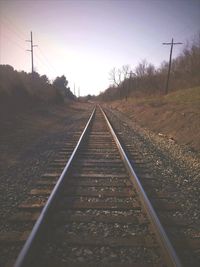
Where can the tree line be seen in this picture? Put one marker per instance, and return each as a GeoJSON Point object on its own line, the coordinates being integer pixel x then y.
{"type": "Point", "coordinates": [19, 89]}
{"type": "Point", "coordinates": [145, 79]}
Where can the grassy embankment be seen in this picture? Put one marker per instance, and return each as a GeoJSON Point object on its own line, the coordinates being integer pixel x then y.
{"type": "Point", "coordinates": [176, 115]}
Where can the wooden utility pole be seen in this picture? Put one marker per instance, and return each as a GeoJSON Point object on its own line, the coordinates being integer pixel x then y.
{"type": "Point", "coordinates": [74, 90]}
{"type": "Point", "coordinates": [31, 50]}
{"type": "Point", "coordinates": [170, 62]}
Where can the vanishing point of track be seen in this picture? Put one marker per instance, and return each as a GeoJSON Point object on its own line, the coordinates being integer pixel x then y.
{"type": "Point", "coordinates": [98, 213]}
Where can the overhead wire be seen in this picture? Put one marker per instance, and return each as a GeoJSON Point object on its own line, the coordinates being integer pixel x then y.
{"type": "Point", "coordinates": [41, 62]}
{"type": "Point", "coordinates": [46, 59]}
{"type": "Point", "coordinates": [13, 41]}
{"type": "Point", "coordinates": [13, 27]}
{"type": "Point", "coordinates": [10, 33]}
{"type": "Point", "coordinates": [40, 56]}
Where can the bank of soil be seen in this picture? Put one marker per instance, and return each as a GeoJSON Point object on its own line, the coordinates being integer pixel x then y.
{"type": "Point", "coordinates": [175, 116]}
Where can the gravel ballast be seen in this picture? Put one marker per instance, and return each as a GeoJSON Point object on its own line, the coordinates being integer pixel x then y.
{"type": "Point", "coordinates": [175, 169]}
{"type": "Point", "coordinates": [33, 149]}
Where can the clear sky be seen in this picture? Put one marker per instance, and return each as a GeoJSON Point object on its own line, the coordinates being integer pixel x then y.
{"type": "Point", "coordinates": [84, 40]}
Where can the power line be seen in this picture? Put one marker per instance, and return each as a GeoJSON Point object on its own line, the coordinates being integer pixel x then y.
{"type": "Point", "coordinates": [16, 43]}
{"type": "Point", "coordinates": [42, 63]}
{"type": "Point", "coordinates": [39, 63]}
{"type": "Point", "coordinates": [46, 59]}
{"type": "Point", "coordinates": [170, 62]}
{"type": "Point", "coordinates": [12, 28]}
{"type": "Point", "coordinates": [13, 41]}
{"type": "Point", "coordinates": [19, 36]}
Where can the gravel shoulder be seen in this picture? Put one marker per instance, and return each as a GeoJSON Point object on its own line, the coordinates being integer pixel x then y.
{"type": "Point", "coordinates": [174, 168]}
{"type": "Point", "coordinates": [173, 161]}
{"type": "Point", "coordinates": [29, 142]}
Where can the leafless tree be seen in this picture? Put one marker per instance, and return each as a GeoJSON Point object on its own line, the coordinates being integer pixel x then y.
{"type": "Point", "coordinates": [148, 80]}
{"type": "Point", "coordinates": [126, 70]}
{"type": "Point", "coordinates": [117, 76]}
{"type": "Point", "coordinates": [140, 70]}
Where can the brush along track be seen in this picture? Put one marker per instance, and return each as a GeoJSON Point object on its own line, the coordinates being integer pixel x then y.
{"type": "Point", "coordinates": [97, 214]}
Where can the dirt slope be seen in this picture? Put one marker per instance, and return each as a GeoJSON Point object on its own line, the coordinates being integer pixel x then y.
{"type": "Point", "coordinates": [175, 116]}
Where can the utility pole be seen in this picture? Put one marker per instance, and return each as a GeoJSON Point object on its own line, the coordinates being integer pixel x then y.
{"type": "Point", "coordinates": [170, 62]}
{"type": "Point", "coordinates": [31, 50]}
{"type": "Point", "coordinates": [74, 90]}
{"type": "Point", "coordinates": [79, 92]}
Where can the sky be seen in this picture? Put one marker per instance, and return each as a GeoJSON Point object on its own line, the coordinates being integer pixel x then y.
{"type": "Point", "coordinates": [84, 40]}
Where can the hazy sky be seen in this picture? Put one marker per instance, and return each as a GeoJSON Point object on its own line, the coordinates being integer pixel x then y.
{"type": "Point", "coordinates": [84, 40]}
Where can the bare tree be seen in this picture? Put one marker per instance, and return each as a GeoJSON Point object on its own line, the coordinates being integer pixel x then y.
{"type": "Point", "coordinates": [140, 70]}
{"type": "Point", "coordinates": [115, 76]}
{"type": "Point", "coordinates": [126, 70]}
{"type": "Point", "coordinates": [150, 70]}
{"type": "Point", "coordinates": [118, 75]}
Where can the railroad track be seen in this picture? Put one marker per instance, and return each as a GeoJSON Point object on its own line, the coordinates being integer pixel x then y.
{"type": "Point", "coordinates": [98, 213]}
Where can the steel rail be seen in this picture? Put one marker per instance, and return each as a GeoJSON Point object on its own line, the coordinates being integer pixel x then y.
{"type": "Point", "coordinates": [23, 258]}
{"type": "Point", "coordinates": [169, 252]}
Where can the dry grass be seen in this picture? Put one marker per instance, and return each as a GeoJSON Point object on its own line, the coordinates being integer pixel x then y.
{"type": "Point", "coordinates": [176, 115]}
{"type": "Point", "coordinates": [19, 131]}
